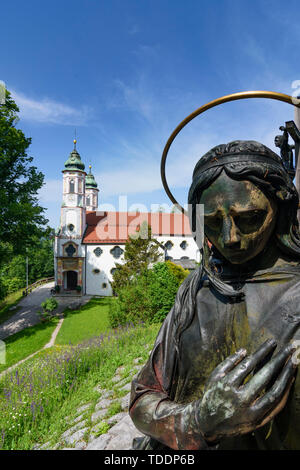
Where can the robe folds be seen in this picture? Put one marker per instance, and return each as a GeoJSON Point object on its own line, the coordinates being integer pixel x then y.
{"type": "Point", "coordinates": [166, 393]}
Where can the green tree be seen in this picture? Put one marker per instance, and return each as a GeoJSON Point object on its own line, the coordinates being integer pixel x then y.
{"type": "Point", "coordinates": [148, 297]}
{"type": "Point", "coordinates": [40, 264]}
{"type": "Point", "coordinates": [141, 251]}
{"type": "Point", "coordinates": [21, 217]}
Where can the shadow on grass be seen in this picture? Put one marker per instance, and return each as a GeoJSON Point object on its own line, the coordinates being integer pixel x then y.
{"type": "Point", "coordinates": [11, 301]}
{"type": "Point", "coordinates": [27, 332]}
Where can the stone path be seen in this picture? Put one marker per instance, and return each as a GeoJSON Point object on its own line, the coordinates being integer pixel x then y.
{"type": "Point", "coordinates": [93, 429]}
{"type": "Point", "coordinates": [28, 307]}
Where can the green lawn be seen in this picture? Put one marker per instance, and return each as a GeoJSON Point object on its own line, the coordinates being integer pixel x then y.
{"type": "Point", "coordinates": [26, 342]}
{"type": "Point", "coordinates": [7, 303]}
{"type": "Point", "coordinates": [91, 320]}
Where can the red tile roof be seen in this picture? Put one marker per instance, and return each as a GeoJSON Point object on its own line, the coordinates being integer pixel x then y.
{"type": "Point", "coordinates": [114, 227]}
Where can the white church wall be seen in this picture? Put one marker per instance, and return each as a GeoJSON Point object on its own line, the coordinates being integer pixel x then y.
{"type": "Point", "coordinates": [63, 241]}
{"type": "Point", "coordinates": [72, 218]}
{"type": "Point", "coordinates": [105, 262]}
{"type": "Point", "coordinates": [176, 252]}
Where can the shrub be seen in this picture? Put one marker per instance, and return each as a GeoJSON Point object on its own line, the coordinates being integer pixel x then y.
{"type": "Point", "coordinates": [49, 305]}
{"type": "Point", "coordinates": [162, 290]}
{"type": "Point", "coordinates": [44, 316]}
{"type": "Point", "coordinates": [178, 271]}
{"type": "Point", "coordinates": [132, 305]}
{"type": "Point", "coordinates": [147, 298]}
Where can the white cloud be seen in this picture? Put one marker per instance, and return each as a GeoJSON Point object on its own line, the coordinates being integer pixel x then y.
{"type": "Point", "coordinates": [136, 98]}
{"type": "Point", "coordinates": [47, 110]}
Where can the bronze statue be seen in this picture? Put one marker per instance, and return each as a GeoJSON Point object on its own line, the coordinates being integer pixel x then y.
{"type": "Point", "coordinates": [286, 151]}
{"type": "Point", "coordinates": [222, 373]}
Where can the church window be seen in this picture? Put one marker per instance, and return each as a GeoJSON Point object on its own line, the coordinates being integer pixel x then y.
{"type": "Point", "coordinates": [183, 245]}
{"type": "Point", "coordinates": [184, 257]}
{"type": "Point", "coordinates": [80, 186]}
{"type": "Point", "coordinates": [70, 250]}
{"type": "Point", "coordinates": [168, 245]}
{"type": "Point", "coordinates": [98, 252]}
{"type": "Point", "coordinates": [116, 252]}
{"type": "Point", "coordinates": [112, 271]}
{"type": "Point", "coordinates": [71, 227]}
{"type": "Point", "coordinates": [88, 201]}
{"type": "Point", "coordinates": [72, 186]}
{"type": "Point", "coordinates": [104, 285]}
{"type": "Point", "coordinates": [96, 271]}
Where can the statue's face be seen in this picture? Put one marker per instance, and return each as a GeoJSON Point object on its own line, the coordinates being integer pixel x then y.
{"type": "Point", "coordinates": [238, 218]}
{"type": "Point", "coordinates": [277, 141]}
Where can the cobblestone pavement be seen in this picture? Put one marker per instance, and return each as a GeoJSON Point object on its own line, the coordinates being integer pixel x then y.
{"type": "Point", "coordinates": [85, 430]}
{"type": "Point", "coordinates": [28, 307]}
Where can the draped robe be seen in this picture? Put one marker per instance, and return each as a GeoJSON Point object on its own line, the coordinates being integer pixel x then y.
{"type": "Point", "coordinates": [166, 392]}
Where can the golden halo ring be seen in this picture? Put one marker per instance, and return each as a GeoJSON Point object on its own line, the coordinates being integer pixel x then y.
{"type": "Point", "coordinates": [224, 99]}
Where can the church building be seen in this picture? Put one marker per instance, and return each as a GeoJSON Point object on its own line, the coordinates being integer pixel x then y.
{"type": "Point", "coordinates": [89, 242]}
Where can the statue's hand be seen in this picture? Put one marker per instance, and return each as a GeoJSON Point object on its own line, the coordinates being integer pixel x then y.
{"type": "Point", "coordinates": [229, 408]}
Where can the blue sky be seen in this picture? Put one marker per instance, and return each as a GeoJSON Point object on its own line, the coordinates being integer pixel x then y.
{"type": "Point", "coordinates": [125, 73]}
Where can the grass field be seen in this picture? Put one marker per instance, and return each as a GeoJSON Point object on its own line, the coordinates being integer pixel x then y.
{"type": "Point", "coordinates": [38, 395]}
{"type": "Point", "coordinates": [43, 391]}
{"type": "Point", "coordinates": [7, 303]}
{"type": "Point", "coordinates": [91, 320]}
{"type": "Point", "coordinates": [26, 342]}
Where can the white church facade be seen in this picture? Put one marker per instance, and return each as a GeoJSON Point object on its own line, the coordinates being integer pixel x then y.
{"type": "Point", "coordinates": [89, 243]}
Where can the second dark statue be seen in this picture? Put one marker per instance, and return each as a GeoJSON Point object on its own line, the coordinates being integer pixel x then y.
{"type": "Point", "coordinates": [223, 370]}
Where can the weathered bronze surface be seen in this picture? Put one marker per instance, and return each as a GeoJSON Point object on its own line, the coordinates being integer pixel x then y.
{"type": "Point", "coordinates": [222, 373]}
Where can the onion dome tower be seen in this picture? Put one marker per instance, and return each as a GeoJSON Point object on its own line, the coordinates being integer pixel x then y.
{"type": "Point", "coordinates": [91, 192]}
{"type": "Point", "coordinates": [73, 218]}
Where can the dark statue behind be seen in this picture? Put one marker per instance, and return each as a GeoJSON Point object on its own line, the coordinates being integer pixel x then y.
{"type": "Point", "coordinates": [222, 373]}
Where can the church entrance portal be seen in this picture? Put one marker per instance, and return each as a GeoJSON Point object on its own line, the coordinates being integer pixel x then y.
{"type": "Point", "coordinates": [71, 280]}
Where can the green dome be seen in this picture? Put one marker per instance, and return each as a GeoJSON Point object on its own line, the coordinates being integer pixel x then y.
{"type": "Point", "coordinates": [90, 181]}
{"type": "Point", "coordinates": [74, 161]}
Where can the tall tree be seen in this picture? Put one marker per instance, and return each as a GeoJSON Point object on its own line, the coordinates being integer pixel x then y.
{"type": "Point", "coordinates": [40, 264]}
{"type": "Point", "coordinates": [141, 251]}
{"type": "Point", "coordinates": [21, 217]}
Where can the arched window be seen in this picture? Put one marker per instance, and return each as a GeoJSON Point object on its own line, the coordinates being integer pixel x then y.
{"type": "Point", "coordinates": [70, 250]}
{"type": "Point", "coordinates": [88, 201]}
{"type": "Point", "coordinates": [72, 186]}
{"type": "Point", "coordinates": [168, 245]}
{"type": "Point", "coordinates": [183, 245]}
{"type": "Point", "coordinates": [117, 252]}
{"type": "Point", "coordinates": [98, 251]}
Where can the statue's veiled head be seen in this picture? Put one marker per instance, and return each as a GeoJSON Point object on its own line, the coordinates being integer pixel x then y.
{"type": "Point", "coordinates": [238, 218]}
{"type": "Point", "coordinates": [248, 200]}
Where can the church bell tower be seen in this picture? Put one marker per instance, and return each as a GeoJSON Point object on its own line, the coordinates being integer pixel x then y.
{"type": "Point", "coordinates": [91, 192]}
{"type": "Point", "coordinates": [69, 251]}
{"type": "Point", "coordinates": [73, 206]}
